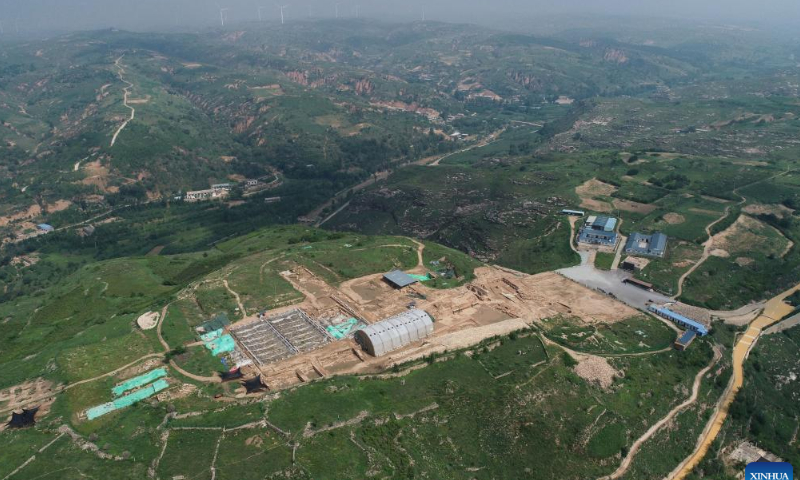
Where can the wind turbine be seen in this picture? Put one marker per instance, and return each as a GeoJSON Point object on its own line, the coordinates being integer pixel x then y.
{"type": "Point", "coordinates": [423, 14]}
{"type": "Point", "coordinates": [259, 12]}
{"type": "Point", "coordinates": [357, 8]}
{"type": "Point", "coordinates": [222, 15]}
{"type": "Point", "coordinates": [282, 7]}
{"type": "Point", "coordinates": [337, 9]}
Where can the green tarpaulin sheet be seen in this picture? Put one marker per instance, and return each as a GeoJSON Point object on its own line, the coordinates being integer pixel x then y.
{"type": "Point", "coordinates": [136, 382]}
{"type": "Point", "coordinates": [223, 344]}
{"type": "Point", "coordinates": [127, 400]}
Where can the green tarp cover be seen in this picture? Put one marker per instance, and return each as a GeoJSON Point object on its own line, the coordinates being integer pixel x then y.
{"type": "Point", "coordinates": [127, 400]}
{"type": "Point", "coordinates": [136, 382]}
{"type": "Point", "coordinates": [210, 336]}
{"type": "Point", "coordinates": [421, 278]}
{"type": "Point", "coordinates": [341, 330]}
{"type": "Point", "coordinates": [223, 344]}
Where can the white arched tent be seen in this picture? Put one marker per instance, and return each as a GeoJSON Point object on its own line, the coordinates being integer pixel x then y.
{"type": "Point", "coordinates": [395, 332]}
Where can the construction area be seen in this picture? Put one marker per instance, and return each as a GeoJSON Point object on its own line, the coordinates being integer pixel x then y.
{"type": "Point", "coordinates": [270, 339]}
{"type": "Point", "coordinates": [369, 324]}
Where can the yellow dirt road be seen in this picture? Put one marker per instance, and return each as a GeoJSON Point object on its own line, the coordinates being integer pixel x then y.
{"type": "Point", "coordinates": [774, 310]}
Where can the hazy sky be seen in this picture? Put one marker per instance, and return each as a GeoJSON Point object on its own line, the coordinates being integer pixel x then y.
{"type": "Point", "coordinates": [29, 15]}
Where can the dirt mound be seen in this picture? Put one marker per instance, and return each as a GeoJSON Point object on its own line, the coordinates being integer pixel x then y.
{"type": "Point", "coordinates": [718, 252]}
{"type": "Point", "coordinates": [148, 321]}
{"type": "Point", "coordinates": [597, 370]}
{"type": "Point", "coordinates": [744, 261]}
{"type": "Point", "coordinates": [674, 218]}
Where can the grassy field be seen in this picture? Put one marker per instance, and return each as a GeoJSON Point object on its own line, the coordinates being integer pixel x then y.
{"type": "Point", "coordinates": [604, 260]}
{"type": "Point", "coordinates": [437, 257]}
{"type": "Point", "coordinates": [632, 335]}
{"type": "Point", "coordinates": [487, 403]}
{"type": "Point", "coordinates": [664, 272]}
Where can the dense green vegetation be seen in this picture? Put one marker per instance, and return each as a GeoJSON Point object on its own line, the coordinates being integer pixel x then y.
{"type": "Point", "coordinates": [478, 401]}
{"type": "Point", "coordinates": [681, 126]}
{"type": "Point", "coordinates": [83, 325]}
{"type": "Point", "coordinates": [632, 335]}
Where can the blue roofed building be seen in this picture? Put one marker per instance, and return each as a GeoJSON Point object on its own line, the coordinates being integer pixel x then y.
{"type": "Point", "coordinates": [601, 223]}
{"type": "Point", "coordinates": [679, 320]}
{"type": "Point", "coordinates": [575, 213]}
{"type": "Point", "coordinates": [654, 245]}
{"type": "Point", "coordinates": [45, 227]}
{"type": "Point", "coordinates": [599, 230]}
{"type": "Point", "coordinates": [685, 340]}
{"type": "Point", "coordinates": [597, 237]}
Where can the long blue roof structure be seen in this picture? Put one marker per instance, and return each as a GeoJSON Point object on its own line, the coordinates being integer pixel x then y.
{"type": "Point", "coordinates": [677, 317]}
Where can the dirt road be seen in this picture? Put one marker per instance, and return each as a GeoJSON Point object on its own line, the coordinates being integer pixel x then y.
{"type": "Point", "coordinates": [774, 310]}
{"type": "Point", "coordinates": [620, 247]}
{"type": "Point", "coordinates": [492, 138]}
{"type": "Point", "coordinates": [626, 462]}
{"type": "Point", "coordinates": [366, 183]}
{"type": "Point", "coordinates": [127, 91]}
{"type": "Point", "coordinates": [708, 244]}
{"type": "Point", "coordinates": [707, 247]}
{"type": "Point", "coordinates": [314, 215]}
{"type": "Point", "coordinates": [238, 299]}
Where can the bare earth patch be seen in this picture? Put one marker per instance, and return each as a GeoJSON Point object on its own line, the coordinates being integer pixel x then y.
{"type": "Point", "coordinates": [594, 188]}
{"type": "Point", "coordinates": [32, 212]}
{"type": "Point", "coordinates": [718, 252]}
{"type": "Point", "coordinates": [595, 205]}
{"type": "Point", "coordinates": [744, 261]}
{"type": "Point", "coordinates": [631, 206]}
{"type": "Point", "coordinates": [704, 212]}
{"type": "Point", "coordinates": [714, 199]}
{"type": "Point", "coordinates": [779, 211]}
{"type": "Point", "coordinates": [34, 393]}
{"type": "Point", "coordinates": [58, 206]}
{"type": "Point", "coordinates": [597, 370]}
{"type": "Point", "coordinates": [674, 218]}
{"type": "Point", "coordinates": [748, 234]}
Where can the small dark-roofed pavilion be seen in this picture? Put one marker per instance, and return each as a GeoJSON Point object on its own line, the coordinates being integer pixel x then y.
{"type": "Point", "coordinates": [23, 420]}
{"type": "Point", "coordinates": [254, 385]}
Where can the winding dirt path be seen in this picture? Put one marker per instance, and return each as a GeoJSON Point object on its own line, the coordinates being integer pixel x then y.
{"type": "Point", "coordinates": [708, 244]}
{"type": "Point", "coordinates": [420, 251]}
{"type": "Point", "coordinates": [626, 462]}
{"type": "Point", "coordinates": [167, 348]}
{"type": "Point", "coordinates": [492, 138]}
{"type": "Point", "coordinates": [127, 91]}
{"type": "Point", "coordinates": [236, 296]}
